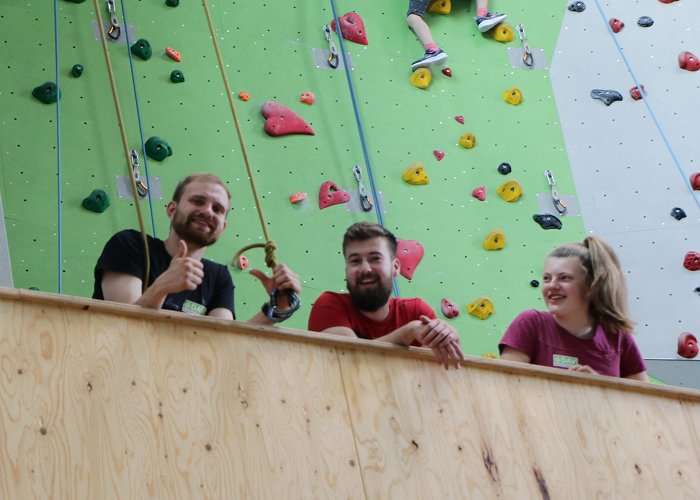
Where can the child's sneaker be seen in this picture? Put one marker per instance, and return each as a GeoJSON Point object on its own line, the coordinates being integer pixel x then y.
{"type": "Point", "coordinates": [489, 21]}
{"type": "Point", "coordinates": [431, 58]}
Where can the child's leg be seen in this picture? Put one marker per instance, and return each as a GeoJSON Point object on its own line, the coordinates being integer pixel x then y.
{"type": "Point", "coordinates": [416, 11]}
{"type": "Point", "coordinates": [482, 7]}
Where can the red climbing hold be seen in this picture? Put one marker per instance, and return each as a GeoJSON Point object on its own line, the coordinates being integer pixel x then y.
{"type": "Point", "coordinates": [688, 60]}
{"type": "Point", "coordinates": [173, 54]}
{"type": "Point", "coordinates": [449, 308]}
{"type": "Point", "coordinates": [281, 120]}
{"type": "Point", "coordinates": [695, 181]}
{"type": "Point", "coordinates": [460, 119]}
{"type": "Point", "coordinates": [439, 154]}
{"type": "Point", "coordinates": [409, 253]}
{"type": "Point", "coordinates": [330, 194]}
{"type": "Point", "coordinates": [479, 193]}
{"type": "Point", "coordinates": [307, 97]}
{"type": "Point", "coordinates": [687, 345]}
{"type": "Point", "coordinates": [352, 27]}
{"type": "Point", "coordinates": [447, 72]}
{"type": "Point", "coordinates": [692, 261]}
{"type": "Point", "coordinates": [616, 25]}
{"type": "Point", "coordinates": [667, 1]}
{"type": "Point", "coordinates": [636, 93]}
{"type": "Point", "coordinates": [297, 197]}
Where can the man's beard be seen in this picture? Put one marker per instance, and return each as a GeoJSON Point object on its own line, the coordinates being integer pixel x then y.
{"type": "Point", "coordinates": [184, 228]}
{"type": "Point", "coordinates": [371, 299]}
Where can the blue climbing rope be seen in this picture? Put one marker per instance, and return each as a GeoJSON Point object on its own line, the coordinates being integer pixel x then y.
{"type": "Point", "coordinates": [648, 105]}
{"type": "Point", "coordinates": [360, 130]}
{"type": "Point", "coordinates": [138, 117]}
{"type": "Point", "coordinates": [58, 151]}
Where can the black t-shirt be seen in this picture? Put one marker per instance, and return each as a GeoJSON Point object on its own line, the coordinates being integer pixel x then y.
{"type": "Point", "coordinates": [124, 253]}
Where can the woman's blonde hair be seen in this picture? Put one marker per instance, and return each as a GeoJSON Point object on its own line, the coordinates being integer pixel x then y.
{"type": "Point", "coordinates": [604, 276]}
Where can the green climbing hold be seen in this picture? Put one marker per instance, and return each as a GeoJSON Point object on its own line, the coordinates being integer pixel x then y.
{"type": "Point", "coordinates": [98, 201]}
{"type": "Point", "coordinates": [77, 70]}
{"type": "Point", "coordinates": [46, 93]}
{"type": "Point", "coordinates": [157, 149]}
{"type": "Point", "coordinates": [75, 1]}
{"type": "Point", "coordinates": [142, 49]}
{"type": "Point", "coordinates": [172, 3]}
{"type": "Point", "coordinates": [34, 288]}
{"type": "Point", "coordinates": [177, 76]}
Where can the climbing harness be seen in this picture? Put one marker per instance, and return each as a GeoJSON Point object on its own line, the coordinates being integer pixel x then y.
{"type": "Point", "coordinates": [141, 187]}
{"type": "Point", "coordinates": [114, 28]}
{"type": "Point", "coordinates": [527, 51]}
{"type": "Point", "coordinates": [332, 51]}
{"type": "Point", "coordinates": [558, 204]}
{"type": "Point", "coordinates": [365, 202]}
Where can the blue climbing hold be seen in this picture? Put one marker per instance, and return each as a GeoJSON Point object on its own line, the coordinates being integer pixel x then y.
{"type": "Point", "coordinates": [577, 6]}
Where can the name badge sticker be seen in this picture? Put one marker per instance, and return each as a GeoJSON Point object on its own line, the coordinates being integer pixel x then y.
{"type": "Point", "coordinates": [190, 307]}
{"type": "Point", "coordinates": [560, 361]}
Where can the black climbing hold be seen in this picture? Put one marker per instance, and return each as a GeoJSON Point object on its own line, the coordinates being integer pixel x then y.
{"type": "Point", "coordinates": [534, 283]}
{"type": "Point", "coordinates": [697, 290]}
{"type": "Point", "coordinates": [504, 168]}
{"type": "Point", "coordinates": [607, 96]}
{"type": "Point", "coordinates": [177, 76]}
{"type": "Point", "coordinates": [46, 93]}
{"type": "Point", "coordinates": [678, 213]}
{"type": "Point", "coordinates": [645, 21]}
{"type": "Point", "coordinates": [172, 3]}
{"type": "Point", "coordinates": [157, 149]}
{"type": "Point", "coordinates": [75, 1]}
{"type": "Point", "coordinates": [142, 49]}
{"type": "Point", "coordinates": [547, 221]}
{"type": "Point", "coordinates": [77, 70]}
{"type": "Point", "coordinates": [98, 201]}
{"type": "Point", "coordinates": [577, 6]}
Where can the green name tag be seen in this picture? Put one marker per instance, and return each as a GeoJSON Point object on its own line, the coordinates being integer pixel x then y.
{"type": "Point", "coordinates": [190, 307]}
{"type": "Point", "coordinates": [560, 361]}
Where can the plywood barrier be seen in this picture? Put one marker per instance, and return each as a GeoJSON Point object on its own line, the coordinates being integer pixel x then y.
{"type": "Point", "coordinates": [101, 400]}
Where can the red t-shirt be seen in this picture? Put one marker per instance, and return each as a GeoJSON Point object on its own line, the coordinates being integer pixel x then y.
{"type": "Point", "coordinates": [336, 309]}
{"type": "Point", "coordinates": [538, 335]}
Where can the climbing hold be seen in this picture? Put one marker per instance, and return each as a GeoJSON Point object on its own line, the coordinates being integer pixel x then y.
{"type": "Point", "coordinates": [481, 307]}
{"type": "Point", "coordinates": [173, 54]}
{"type": "Point", "coordinates": [504, 168]}
{"type": "Point", "coordinates": [692, 261]}
{"type": "Point", "coordinates": [172, 3]}
{"type": "Point", "coordinates": [352, 27]}
{"type": "Point", "coordinates": [177, 76]}
{"type": "Point", "coordinates": [46, 93]}
{"type": "Point", "coordinates": [142, 49]}
{"type": "Point", "coordinates": [447, 72]}
{"type": "Point", "coordinates": [440, 7]}
{"type": "Point", "coordinates": [409, 253]}
{"type": "Point", "coordinates": [243, 96]}
{"type": "Point", "coordinates": [667, 1]}
{"type": "Point", "coordinates": [513, 96]}
{"type": "Point", "coordinates": [242, 263]}
{"type": "Point", "coordinates": [157, 149]}
{"type": "Point", "coordinates": [77, 70]}
{"type": "Point", "coordinates": [616, 24]}
{"type": "Point", "coordinates": [330, 194]}
{"type": "Point", "coordinates": [645, 21]}
{"type": "Point", "coordinates": [678, 213]}
{"type": "Point", "coordinates": [479, 193]}
{"type": "Point", "coordinates": [534, 283]}
{"type": "Point", "coordinates": [695, 181]}
{"type": "Point", "coordinates": [495, 240]}
{"type": "Point", "coordinates": [297, 197]}
{"type": "Point", "coordinates": [577, 6]}
{"type": "Point", "coordinates": [687, 60]}
{"type": "Point", "coordinates": [280, 120]}
{"type": "Point", "coordinates": [307, 98]}
{"type": "Point", "coordinates": [98, 201]}
{"type": "Point", "coordinates": [72, 1]}
{"type": "Point", "coordinates": [460, 119]}
{"type": "Point", "coordinates": [687, 345]}
{"type": "Point", "coordinates": [421, 78]}
{"type": "Point", "coordinates": [503, 33]}
{"type": "Point", "coordinates": [637, 91]}
{"type": "Point", "coordinates": [510, 191]}
{"type": "Point", "coordinates": [415, 174]}
{"type": "Point", "coordinates": [547, 221]}
{"type": "Point", "coordinates": [467, 140]}
{"type": "Point", "coordinates": [607, 96]}
{"type": "Point", "coordinates": [439, 154]}
{"type": "Point", "coordinates": [449, 308]}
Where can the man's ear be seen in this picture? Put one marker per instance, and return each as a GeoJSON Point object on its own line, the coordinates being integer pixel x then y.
{"type": "Point", "coordinates": [396, 265]}
{"type": "Point", "coordinates": [170, 208]}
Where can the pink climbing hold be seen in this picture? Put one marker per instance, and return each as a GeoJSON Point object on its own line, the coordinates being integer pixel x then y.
{"type": "Point", "coordinates": [636, 93]}
{"type": "Point", "coordinates": [280, 120]}
{"type": "Point", "coordinates": [449, 308]}
{"type": "Point", "coordinates": [460, 119]}
{"type": "Point", "coordinates": [688, 61]}
{"type": "Point", "coordinates": [616, 24]}
{"type": "Point", "coordinates": [307, 98]}
{"type": "Point", "coordinates": [695, 181]}
{"type": "Point", "coordinates": [352, 27]}
{"type": "Point", "coordinates": [667, 1]}
{"type": "Point", "coordinates": [692, 261]}
{"type": "Point", "coordinates": [479, 193]}
{"type": "Point", "coordinates": [330, 194]}
{"type": "Point", "coordinates": [439, 154]}
{"type": "Point", "coordinates": [409, 253]}
{"type": "Point", "coordinates": [687, 345]}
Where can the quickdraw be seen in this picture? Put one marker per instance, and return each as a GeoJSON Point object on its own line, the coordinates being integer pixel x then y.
{"type": "Point", "coordinates": [141, 186]}
{"type": "Point", "coordinates": [114, 28]}
{"type": "Point", "coordinates": [558, 204]}
{"type": "Point", "coordinates": [332, 51]}
{"type": "Point", "coordinates": [528, 60]}
{"type": "Point", "coordinates": [365, 202]}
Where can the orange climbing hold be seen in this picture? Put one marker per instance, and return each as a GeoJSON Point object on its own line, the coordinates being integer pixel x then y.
{"type": "Point", "coordinates": [173, 54]}
{"type": "Point", "coordinates": [297, 197]}
{"type": "Point", "coordinates": [243, 96]}
{"type": "Point", "coordinates": [242, 263]}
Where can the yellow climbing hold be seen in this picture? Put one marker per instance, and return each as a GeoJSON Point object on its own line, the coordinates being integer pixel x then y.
{"type": "Point", "coordinates": [510, 191]}
{"type": "Point", "coordinates": [513, 96]}
{"type": "Point", "coordinates": [421, 78]}
{"type": "Point", "coordinates": [468, 140]}
{"type": "Point", "coordinates": [415, 174]}
{"type": "Point", "coordinates": [495, 240]}
{"type": "Point", "coordinates": [503, 33]}
{"type": "Point", "coordinates": [490, 355]}
{"type": "Point", "coordinates": [440, 7]}
{"type": "Point", "coordinates": [481, 307]}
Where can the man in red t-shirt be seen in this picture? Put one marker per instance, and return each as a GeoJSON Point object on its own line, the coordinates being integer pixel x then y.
{"type": "Point", "coordinates": [368, 312]}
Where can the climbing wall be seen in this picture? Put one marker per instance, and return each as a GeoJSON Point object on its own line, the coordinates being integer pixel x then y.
{"type": "Point", "coordinates": [278, 59]}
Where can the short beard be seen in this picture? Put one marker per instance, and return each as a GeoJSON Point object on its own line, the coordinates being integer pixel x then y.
{"type": "Point", "coordinates": [183, 228]}
{"type": "Point", "coordinates": [370, 300]}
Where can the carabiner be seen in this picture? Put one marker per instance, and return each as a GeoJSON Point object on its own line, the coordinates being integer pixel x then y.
{"type": "Point", "coordinates": [365, 202]}
{"type": "Point", "coordinates": [528, 60]}
{"type": "Point", "coordinates": [558, 204]}
{"type": "Point", "coordinates": [141, 187]}
{"type": "Point", "coordinates": [114, 30]}
{"type": "Point", "coordinates": [333, 52]}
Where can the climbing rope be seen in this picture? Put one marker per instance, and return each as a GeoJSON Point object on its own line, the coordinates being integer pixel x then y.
{"type": "Point", "coordinates": [59, 180]}
{"type": "Point", "coordinates": [125, 144]}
